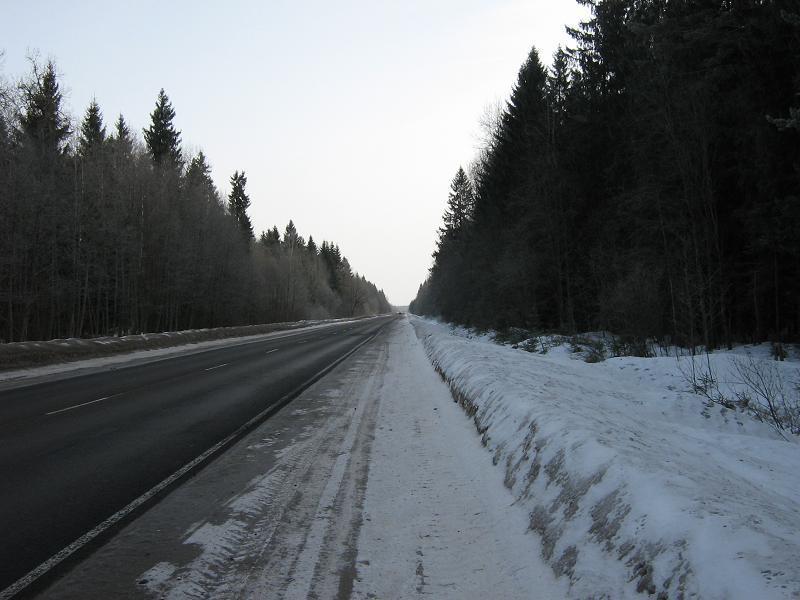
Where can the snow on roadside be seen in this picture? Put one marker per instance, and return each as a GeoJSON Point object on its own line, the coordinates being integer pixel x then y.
{"type": "Point", "coordinates": [437, 520]}
{"type": "Point", "coordinates": [630, 485]}
{"type": "Point", "coordinates": [180, 346]}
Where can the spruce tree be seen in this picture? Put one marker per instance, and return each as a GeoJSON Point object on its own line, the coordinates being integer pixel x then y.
{"type": "Point", "coordinates": [289, 232]}
{"type": "Point", "coordinates": [43, 119]}
{"type": "Point", "coordinates": [162, 139]}
{"type": "Point", "coordinates": [290, 237]}
{"type": "Point", "coordinates": [93, 132]}
{"type": "Point", "coordinates": [122, 139]}
{"type": "Point", "coordinates": [558, 82]}
{"type": "Point", "coordinates": [460, 204]}
{"type": "Point", "coordinates": [198, 177]}
{"type": "Point", "coordinates": [238, 203]}
{"type": "Point", "coordinates": [199, 171]}
{"type": "Point", "coordinates": [271, 238]}
{"type": "Point", "coordinates": [122, 132]}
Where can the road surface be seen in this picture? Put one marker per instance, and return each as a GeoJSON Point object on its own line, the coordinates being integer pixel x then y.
{"type": "Point", "coordinates": [75, 450]}
{"type": "Point", "coordinates": [372, 483]}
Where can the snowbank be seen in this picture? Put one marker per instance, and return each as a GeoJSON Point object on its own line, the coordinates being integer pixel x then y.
{"type": "Point", "coordinates": [632, 483]}
{"type": "Point", "coordinates": [18, 355]}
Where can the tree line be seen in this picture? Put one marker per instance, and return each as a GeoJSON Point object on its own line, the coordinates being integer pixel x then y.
{"type": "Point", "coordinates": [646, 183]}
{"type": "Point", "coordinates": [104, 232]}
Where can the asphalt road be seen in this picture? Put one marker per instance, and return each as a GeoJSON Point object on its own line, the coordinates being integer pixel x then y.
{"type": "Point", "coordinates": [76, 450]}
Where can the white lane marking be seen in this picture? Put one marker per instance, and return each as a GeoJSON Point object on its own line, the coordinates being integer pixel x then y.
{"type": "Point", "coordinates": [24, 581]}
{"type": "Point", "coordinates": [217, 367]}
{"type": "Point", "coordinates": [273, 350]}
{"type": "Point", "coordinates": [60, 410]}
{"type": "Point", "coordinates": [302, 341]}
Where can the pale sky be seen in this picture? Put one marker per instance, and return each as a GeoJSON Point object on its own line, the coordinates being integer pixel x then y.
{"type": "Point", "coordinates": [349, 117]}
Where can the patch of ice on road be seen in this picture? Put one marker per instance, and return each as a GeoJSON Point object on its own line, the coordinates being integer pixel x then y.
{"type": "Point", "coordinates": [631, 485]}
{"type": "Point", "coordinates": [154, 579]}
{"type": "Point", "coordinates": [217, 545]}
{"type": "Point", "coordinates": [263, 443]}
{"type": "Point", "coordinates": [437, 519]}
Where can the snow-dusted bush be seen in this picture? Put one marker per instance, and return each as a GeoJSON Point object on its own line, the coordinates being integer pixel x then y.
{"type": "Point", "coordinates": [756, 385]}
{"type": "Point", "coordinates": [767, 394]}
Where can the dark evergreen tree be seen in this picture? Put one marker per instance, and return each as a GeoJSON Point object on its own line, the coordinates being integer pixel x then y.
{"type": "Point", "coordinates": [93, 132]}
{"type": "Point", "coordinates": [122, 135]}
{"type": "Point", "coordinates": [162, 139]}
{"type": "Point", "coordinates": [460, 204]}
{"type": "Point", "coordinates": [43, 120]}
{"type": "Point", "coordinates": [198, 177]}
{"type": "Point", "coordinates": [121, 152]}
{"type": "Point", "coordinates": [238, 203]}
{"type": "Point", "coordinates": [271, 238]}
{"type": "Point", "coordinates": [291, 239]}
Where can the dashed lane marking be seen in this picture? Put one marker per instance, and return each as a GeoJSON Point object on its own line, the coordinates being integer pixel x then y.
{"type": "Point", "coordinates": [61, 410]}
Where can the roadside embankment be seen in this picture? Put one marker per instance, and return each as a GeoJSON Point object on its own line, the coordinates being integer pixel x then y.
{"type": "Point", "coordinates": [632, 484]}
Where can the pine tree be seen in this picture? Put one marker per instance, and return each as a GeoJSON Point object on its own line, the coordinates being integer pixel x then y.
{"type": "Point", "coordinates": [198, 177]}
{"type": "Point", "coordinates": [271, 238]}
{"type": "Point", "coordinates": [43, 120]}
{"type": "Point", "coordinates": [198, 169]}
{"type": "Point", "coordinates": [311, 246]}
{"type": "Point", "coordinates": [122, 132]}
{"type": "Point", "coordinates": [121, 141]}
{"type": "Point", "coordinates": [558, 83]}
{"type": "Point", "coordinates": [162, 139]}
{"type": "Point", "coordinates": [290, 237]}
{"type": "Point", "coordinates": [238, 203]}
{"type": "Point", "coordinates": [460, 204]}
{"type": "Point", "coordinates": [324, 253]}
{"type": "Point", "coordinates": [93, 132]}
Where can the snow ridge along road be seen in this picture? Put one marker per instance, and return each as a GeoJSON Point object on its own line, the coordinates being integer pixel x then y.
{"type": "Point", "coordinates": [80, 453]}
{"type": "Point", "coordinates": [632, 484]}
{"type": "Point", "coordinates": [370, 484]}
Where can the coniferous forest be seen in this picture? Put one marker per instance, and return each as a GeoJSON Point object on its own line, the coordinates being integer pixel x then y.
{"type": "Point", "coordinates": [102, 232]}
{"type": "Point", "coordinates": [647, 183]}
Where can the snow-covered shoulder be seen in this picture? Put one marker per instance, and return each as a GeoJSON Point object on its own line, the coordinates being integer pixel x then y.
{"type": "Point", "coordinates": [632, 483]}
